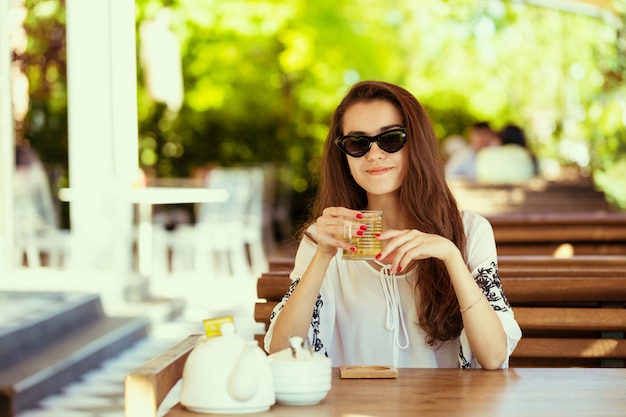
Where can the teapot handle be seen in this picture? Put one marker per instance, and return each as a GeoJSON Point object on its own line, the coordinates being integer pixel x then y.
{"type": "Point", "coordinates": [243, 380]}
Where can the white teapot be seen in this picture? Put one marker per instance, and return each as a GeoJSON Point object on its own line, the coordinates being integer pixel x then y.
{"type": "Point", "coordinates": [226, 374]}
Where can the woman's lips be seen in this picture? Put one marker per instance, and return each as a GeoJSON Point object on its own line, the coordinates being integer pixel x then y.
{"type": "Point", "coordinates": [378, 170]}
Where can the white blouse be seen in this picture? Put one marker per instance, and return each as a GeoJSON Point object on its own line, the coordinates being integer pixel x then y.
{"type": "Point", "coordinates": [363, 316]}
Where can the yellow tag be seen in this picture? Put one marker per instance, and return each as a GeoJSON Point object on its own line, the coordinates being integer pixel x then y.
{"type": "Point", "coordinates": [212, 326]}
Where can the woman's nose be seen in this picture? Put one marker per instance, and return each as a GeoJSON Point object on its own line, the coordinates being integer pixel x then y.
{"type": "Point", "coordinates": [375, 152]}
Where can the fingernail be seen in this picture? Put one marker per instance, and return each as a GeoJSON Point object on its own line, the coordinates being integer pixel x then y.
{"type": "Point", "coordinates": [399, 268]}
{"type": "Point", "coordinates": [359, 232]}
{"type": "Point", "coordinates": [359, 216]}
{"type": "Point", "coordinates": [379, 256]}
{"type": "Point", "coordinates": [377, 234]}
{"type": "Point", "coordinates": [352, 249]}
{"type": "Point", "coordinates": [363, 227]}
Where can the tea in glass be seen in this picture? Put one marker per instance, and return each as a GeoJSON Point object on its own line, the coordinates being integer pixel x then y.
{"type": "Point", "coordinates": [367, 246]}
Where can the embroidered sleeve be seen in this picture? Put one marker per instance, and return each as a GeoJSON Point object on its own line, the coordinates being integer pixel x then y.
{"type": "Point", "coordinates": [282, 303]}
{"type": "Point", "coordinates": [489, 281]}
{"type": "Point", "coordinates": [315, 335]}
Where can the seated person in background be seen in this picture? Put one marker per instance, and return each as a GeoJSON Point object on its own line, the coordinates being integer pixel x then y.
{"type": "Point", "coordinates": [514, 135]}
{"type": "Point", "coordinates": [480, 136]}
{"type": "Point", "coordinates": [509, 163]}
{"type": "Point", "coordinates": [456, 151]}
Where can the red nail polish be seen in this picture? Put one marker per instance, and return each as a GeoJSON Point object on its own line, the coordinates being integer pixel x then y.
{"type": "Point", "coordinates": [359, 216]}
{"type": "Point", "coordinates": [399, 268]}
{"type": "Point", "coordinates": [352, 249]}
{"type": "Point", "coordinates": [377, 234]}
{"type": "Point", "coordinates": [379, 256]}
{"type": "Point", "coordinates": [359, 232]}
{"type": "Point", "coordinates": [363, 227]}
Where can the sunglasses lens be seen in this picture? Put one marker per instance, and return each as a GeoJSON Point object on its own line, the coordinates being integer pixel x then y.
{"type": "Point", "coordinates": [392, 141]}
{"type": "Point", "coordinates": [358, 146]}
{"type": "Point", "coordinates": [355, 145]}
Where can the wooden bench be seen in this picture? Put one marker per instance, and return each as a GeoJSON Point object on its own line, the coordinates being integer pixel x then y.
{"type": "Point", "coordinates": [582, 233]}
{"type": "Point", "coordinates": [571, 311]}
{"type": "Point", "coordinates": [534, 196]}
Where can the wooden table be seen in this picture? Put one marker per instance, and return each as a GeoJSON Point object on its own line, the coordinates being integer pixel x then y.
{"type": "Point", "coordinates": [520, 392]}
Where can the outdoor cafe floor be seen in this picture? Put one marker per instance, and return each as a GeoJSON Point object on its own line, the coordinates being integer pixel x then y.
{"type": "Point", "coordinates": [100, 392]}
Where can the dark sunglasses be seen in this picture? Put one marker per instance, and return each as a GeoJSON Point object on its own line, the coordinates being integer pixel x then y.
{"type": "Point", "coordinates": [358, 145]}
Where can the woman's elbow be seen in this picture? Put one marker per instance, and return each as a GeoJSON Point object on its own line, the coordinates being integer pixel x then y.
{"type": "Point", "coordinates": [492, 365]}
{"type": "Point", "coordinates": [494, 361]}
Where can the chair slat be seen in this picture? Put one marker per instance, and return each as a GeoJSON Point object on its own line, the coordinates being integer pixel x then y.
{"type": "Point", "coordinates": [584, 319]}
{"type": "Point", "coordinates": [557, 289]}
{"type": "Point", "coordinates": [570, 348]}
{"type": "Point", "coordinates": [273, 287]}
{"type": "Point", "coordinates": [262, 312]}
{"type": "Point", "coordinates": [536, 261]}
{"type": "Point", "coordinates": [532, 271]}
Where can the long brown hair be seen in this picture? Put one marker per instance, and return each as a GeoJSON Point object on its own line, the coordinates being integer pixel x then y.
{"type": "Point", "coordinates": [426, 200]}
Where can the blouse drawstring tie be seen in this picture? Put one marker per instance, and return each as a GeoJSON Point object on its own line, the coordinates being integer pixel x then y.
{"type": "Point", "coordinates": [395, 319]}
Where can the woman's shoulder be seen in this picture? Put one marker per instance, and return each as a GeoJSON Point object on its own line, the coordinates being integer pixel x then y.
{"type": "Point", "coordinates": [309, 234]}
{"type": "Point", "coordinates": [473, 221]}
{"type": "Point", "coordinates": [471, 217]}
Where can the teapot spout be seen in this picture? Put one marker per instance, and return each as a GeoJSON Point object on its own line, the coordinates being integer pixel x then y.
{"type": "Point", "coordinates": [243, 381]}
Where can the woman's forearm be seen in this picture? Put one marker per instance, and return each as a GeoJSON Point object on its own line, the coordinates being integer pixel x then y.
{"type": "Point", "coordinates": [295, 317]}
{"type": "Point", "coordinates": [483, 328]}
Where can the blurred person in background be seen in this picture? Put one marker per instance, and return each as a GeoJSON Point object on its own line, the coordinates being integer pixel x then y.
{"type": "Point", "coordinates": [510, 163]}
{"type": "Point", "coordinates": [455, 151]}
{"type": "Point", "coordinates": [480, 136]}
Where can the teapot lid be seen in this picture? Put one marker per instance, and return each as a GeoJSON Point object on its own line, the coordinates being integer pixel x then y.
{"type": "Point", "coordinates": [297, 352]}
{"type": "Point", "coordinates": [227, 329]}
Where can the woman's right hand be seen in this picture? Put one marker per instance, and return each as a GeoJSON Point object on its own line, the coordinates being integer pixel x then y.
{"type": "Point", "coordinates": [295, 317]}
{"type": "Point", "coordinates": [330, 230]}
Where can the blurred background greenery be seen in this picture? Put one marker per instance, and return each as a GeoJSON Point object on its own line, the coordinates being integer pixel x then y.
{"type": "Point", "coordinates": [261, 78]}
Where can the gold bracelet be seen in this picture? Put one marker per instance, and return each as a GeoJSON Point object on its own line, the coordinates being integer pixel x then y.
{"type": "Point", "coordinates": [463, 310]}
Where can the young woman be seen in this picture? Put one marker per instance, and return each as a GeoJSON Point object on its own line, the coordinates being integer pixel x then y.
{"type": "Point", "coordinates": [432, 297]}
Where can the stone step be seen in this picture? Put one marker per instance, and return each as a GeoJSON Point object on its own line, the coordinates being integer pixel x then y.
{"type": "Point", "coordinates": [27, 319]}
{"type": "Point", "coordinates": [62, 345]}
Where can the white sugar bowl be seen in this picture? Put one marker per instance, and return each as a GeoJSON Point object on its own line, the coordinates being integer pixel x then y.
{"type": "Point", "coordinates": [301, 377]}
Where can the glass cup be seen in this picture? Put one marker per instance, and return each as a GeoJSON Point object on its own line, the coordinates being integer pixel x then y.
{"type": "Point", "coordinates": [367, 246]}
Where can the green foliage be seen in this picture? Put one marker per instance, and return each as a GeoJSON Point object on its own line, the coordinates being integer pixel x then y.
{"type": "Point", "coordinates": [261, 78]}
{"type": "Point", "coordinates": [43, 62]}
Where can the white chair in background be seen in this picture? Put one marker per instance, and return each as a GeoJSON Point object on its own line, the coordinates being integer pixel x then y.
{"type": "Point", "coordinates": [255, 220]}
{"type": "Point", "coordinates": [36, 224]}
{"type": "Point", "coordinates": [228, 238]}
{"type": "Point", "coordinates": [220, 227]}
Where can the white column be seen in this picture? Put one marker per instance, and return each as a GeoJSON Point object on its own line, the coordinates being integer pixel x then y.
{"type": "Point", "coordinates": [7, 144]}
{"type": "Point", "coordinates": [102, 112]}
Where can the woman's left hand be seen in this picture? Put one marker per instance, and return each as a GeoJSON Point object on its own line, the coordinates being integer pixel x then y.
{"type": "Point", "coordinates": [404, 246]}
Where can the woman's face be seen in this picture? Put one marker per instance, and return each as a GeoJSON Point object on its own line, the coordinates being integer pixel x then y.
{"type": "Point", "coordinates": [377, 172]}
